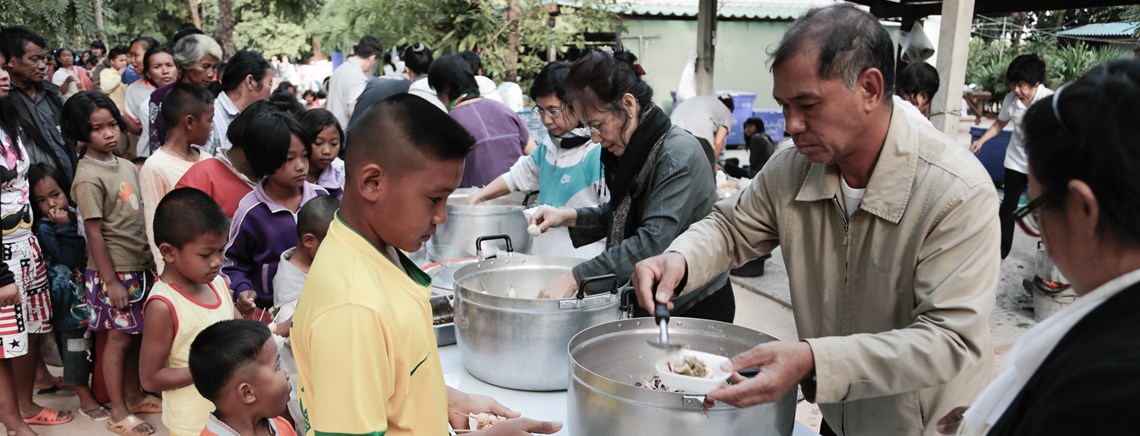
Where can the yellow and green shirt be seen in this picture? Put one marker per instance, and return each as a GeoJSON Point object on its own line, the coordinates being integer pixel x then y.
{"type": "Point", "coordinates": [367, 363]}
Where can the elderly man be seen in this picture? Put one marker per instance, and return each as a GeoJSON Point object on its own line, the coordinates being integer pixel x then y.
{"type": "Point", "coordinates": [889, 232]}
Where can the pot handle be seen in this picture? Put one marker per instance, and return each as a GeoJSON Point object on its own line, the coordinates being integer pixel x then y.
{"type": "Point", "coordinates": [529, 195]}
{"type": "Point", "coordinates": [591, 280]}
{"type": "Point", "coordinates": [479, 244]}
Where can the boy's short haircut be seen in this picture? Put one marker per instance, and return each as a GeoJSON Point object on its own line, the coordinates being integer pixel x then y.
{"type": "Point", "coordinates": [400, 132]}
{"type": "Point", "coordinates": [119, 50]}
{"type": "Point", "coordinates": [184, 214]}
{"type": "Point", "coordinates": [315, 216]}
{"type": "Point", "coordinates": [1026, 68]}
{"type": "Point", "coordinates": [918, 78]}
{"type": "Point", "coordinates": [265, 132]}
{"type": "Point", "coordinates": [221, 350]}
{"type": "Point", "coordinates": [185, 99]}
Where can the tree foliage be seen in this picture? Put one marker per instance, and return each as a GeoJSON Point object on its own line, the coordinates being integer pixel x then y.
{"type": "Point", "coordinates": [69, 23]}
{"type": "Point", "coordinates": [477, 25]}
{"type": "Point", "coordinates": [988, 61]}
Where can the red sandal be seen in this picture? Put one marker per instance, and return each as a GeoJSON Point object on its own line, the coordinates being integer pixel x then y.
{"type": "Point", "coordinates": [49, 416]}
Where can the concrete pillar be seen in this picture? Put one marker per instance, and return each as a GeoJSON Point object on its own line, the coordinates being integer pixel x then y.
{"type": "Point", "coordinates": [706, 47]}
{"type": "Point", "coordinates": [953, 51]}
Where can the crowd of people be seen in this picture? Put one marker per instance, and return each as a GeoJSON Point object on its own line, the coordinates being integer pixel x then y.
{"type": "Point", "coordinates": [241, 251]}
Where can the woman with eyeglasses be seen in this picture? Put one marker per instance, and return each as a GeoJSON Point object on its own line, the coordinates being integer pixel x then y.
{"type": "Point", "coordinates": [500, 135]}
{"type": "Point", "coordinates": [566, 169]}
{"type": "Point", "coordinates": [1078, 372]}
{"type": "Point", "coordinates": [659, 179]}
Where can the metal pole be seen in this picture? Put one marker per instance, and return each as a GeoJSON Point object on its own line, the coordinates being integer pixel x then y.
{"type": "Point", "coordinates": [706, 47]}
{"type": "Point", "coordinates": [953, 50]}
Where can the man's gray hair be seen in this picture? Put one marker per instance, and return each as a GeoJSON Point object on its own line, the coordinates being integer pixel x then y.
{"type": "Point", "coordinates": [189, 51]}
{"type": "Point", "coordinates": [850, 41]}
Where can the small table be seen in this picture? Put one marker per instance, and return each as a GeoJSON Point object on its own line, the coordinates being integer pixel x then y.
{"type": "Point", "coordinates": [976, 100]}
{"type": "Point", "coordinates": [546, 406]}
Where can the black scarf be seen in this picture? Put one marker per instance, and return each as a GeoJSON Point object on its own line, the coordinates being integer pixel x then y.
{"type": "Point", "coordinates": [621, 172]}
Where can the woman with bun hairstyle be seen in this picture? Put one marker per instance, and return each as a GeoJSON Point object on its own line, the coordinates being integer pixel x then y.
{"type": "Point", "coordinates": [659, 180]}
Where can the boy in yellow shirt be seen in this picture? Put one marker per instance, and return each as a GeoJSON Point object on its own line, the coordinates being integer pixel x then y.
{"type": "Point", "coordinates": [367, 363]}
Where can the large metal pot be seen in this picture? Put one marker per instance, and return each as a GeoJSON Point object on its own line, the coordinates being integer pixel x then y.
{"type": "Point", "coordinates": [606, 360]}
{"type": "Point", "coordinates": [520, 342]}
{"type": "Point", "coordinates": [501, 216]}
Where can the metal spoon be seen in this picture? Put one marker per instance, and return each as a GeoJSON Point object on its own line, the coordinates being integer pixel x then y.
{"type": "Point", "coordinates": [661, 315]}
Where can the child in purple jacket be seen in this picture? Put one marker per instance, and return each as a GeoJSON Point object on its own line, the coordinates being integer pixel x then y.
{"type": "Point", "coordinates": [265, 224]}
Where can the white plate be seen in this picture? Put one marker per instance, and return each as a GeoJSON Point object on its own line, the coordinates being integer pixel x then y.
{"type": "Point", "coordinates": [689, 384]}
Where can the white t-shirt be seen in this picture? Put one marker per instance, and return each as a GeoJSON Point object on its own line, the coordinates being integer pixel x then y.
{"type": "Point", "coordinates": [852, 197]}
{"type": "Point", "coordinates": [72, 88]}
{"type": "Point", "coordinates": [1013, 111]}
{"type": "Point", "coordinates": [138, 110]}
{"type": "Point", "coordinates": [345, 85]}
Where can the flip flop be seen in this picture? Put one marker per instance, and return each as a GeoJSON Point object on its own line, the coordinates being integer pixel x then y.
{"type": "Point", "coordinates": [49, 416]}
{"type": "Point", "coordinates": [57, 388]}
{"type": "Point", "coordinates": [129, 426]}
{"type": "Point", "coordinates": [96, 414]}
{"type": "Point", "coordinates": [150, 404]}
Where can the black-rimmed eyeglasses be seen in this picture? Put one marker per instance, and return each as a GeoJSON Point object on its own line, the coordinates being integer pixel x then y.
{"type": "Point", "coordinates": [1029, 217]}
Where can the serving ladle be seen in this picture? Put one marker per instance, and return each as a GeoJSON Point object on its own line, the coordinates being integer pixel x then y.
{"type": "Point", "coordinates": [661, 316]}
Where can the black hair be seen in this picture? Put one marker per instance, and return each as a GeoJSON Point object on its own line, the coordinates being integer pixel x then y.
{"type": "Point", "coordinates": [74, 119]}
{"type": "Point", "coordinates": [315, 216]}
{"type": "Point", "coordinates": [401, 127]}
{"type": "Point", "coordinates": [184, 32]}
{"type": "Point", "coordinates": [453, 77]}
{"type": "Point", "coordinates": [284, 86]}
{"type": "Point", "coordinates": [918, 78]}
{"type": "Point", "coordinates": [473, 60]}
{"type": "Point", "coordinates": [13, 39]}
{"type": "Point", "coordinates": [119, 50]}
{"type": "Point", "coordinates": [727, 101]}
{"type": "Point", "coordinates": [184, 99]}
{"type": "Point", "coordinates": [309, 92]}
{"type": "Point", "coordinates": [1094, 141]}
{"type": "Point", "coordinates": [850, 41]}
{"type": "Point", "coordinates": [244, 63]}
{"type": "Point", "coordinates": [313, 122]}
{"type": "Point", "coordinates": [755, 122]}
{"type": "Point", "coordinates": [417, 58]}
{"type": "Point", "coordinates": [551, 80]}
{"type": "Point", "coordinates": [38, 172]}
{"type": "Point", "coordinates": [286, 101]}
{"type": "Point", "coordinates": [185, 214]}
{"type": "Point", "coordinates": [367, 47]}
{"type": "Point", "coordinates": [99, 45]}
{"type": "Point", "coordinates": [221, 350]}
{"type": "Point", "coordinates": [57, 54]}
{"type": "Point", "coordinates": [1026, 68]}
{"type": "Point", "coordinates": [602, 78]}
{"type": "Point", "coordinates": [265, 132]}
{"type": "Point", "coordinates": [146, 59]}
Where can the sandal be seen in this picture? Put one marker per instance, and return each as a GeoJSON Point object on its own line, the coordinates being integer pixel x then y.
{"type": "Point", "coordinates": [56, 388]}
{"type": "Point", "coordinates": [129, 426]}
{"type": "Point", "coordinates": [149, 404]}
{"type": "Point", "coordinates": [49, 416]}
{"type": "Point", "coordinates": [98, 413]}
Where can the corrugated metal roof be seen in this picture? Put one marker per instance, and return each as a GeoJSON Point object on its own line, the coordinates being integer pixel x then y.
{"type": "Point", "coordinates": [737, 9]}
{"type": "Point", "coordinates": [1123, 30]}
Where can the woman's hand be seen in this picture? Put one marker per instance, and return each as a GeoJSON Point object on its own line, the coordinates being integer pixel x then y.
{"type": "Point", "coordinates": [246, 301]}
{"type": "Point", "coordinates": [9, 295]}
{"type": "Point", "coordinates": [546, 217]}
{"type": "Point", "coordinates": [460, 407]}
{"type": "Point", "coordinates": [562, 287]}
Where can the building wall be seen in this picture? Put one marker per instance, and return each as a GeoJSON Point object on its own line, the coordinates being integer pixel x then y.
{"type": "Point", "coordinates": [741, 54]}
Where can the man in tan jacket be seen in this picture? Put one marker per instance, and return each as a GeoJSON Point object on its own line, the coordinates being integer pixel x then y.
{"type": "Point", "coordinates": [889, 233]}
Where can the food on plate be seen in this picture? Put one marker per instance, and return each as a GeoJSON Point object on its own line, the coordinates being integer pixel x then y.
{"type": "Point", "coordinates": [484, 420]}
{"type": "Point", "coordinates": [653, 384]}
{"type": "Point", "coordinates": [533, 230]}
{"type": "Point", "coordinates": [691, 366]}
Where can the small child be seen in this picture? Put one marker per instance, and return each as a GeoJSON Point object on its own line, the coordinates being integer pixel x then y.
{"type": "Point", "coordinates": [188, 111]}
{"type": "Point", "coordinates": [312, 225]}
{"type": "Point", "coordinates": [119, 267]}
{"type": "Point", "coordinates": [64, 253]}
{"type": "Point", "coordinates": [323, 139]}
{"type": "Point", "coordinates": [190, 230]}
{"type": "Point", "coordinates": [236, 365]}
{"type": "Point", "coordinates": [265, 224]}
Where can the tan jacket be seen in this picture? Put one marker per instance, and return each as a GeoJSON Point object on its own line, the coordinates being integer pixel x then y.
{"type": "Point", "coordinates": [896, 303]}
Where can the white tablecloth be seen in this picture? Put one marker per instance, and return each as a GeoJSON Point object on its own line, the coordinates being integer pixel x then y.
{"type": "Point", "coordinates": [546, 406]}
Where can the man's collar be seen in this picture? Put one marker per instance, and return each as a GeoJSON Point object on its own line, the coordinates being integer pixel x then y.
{"type": "Point", "coordinates": [889, 188]}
